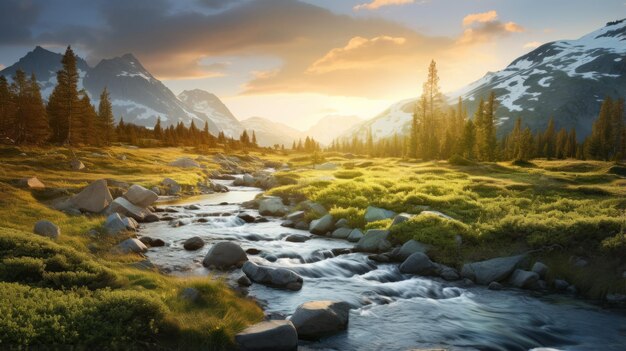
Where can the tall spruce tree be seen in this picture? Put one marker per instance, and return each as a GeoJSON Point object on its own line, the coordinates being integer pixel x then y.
{"type": "Point", "coordinates": [63, 103]}
{"type": "Point", "coordinates": [37, 128]}
{"type": "Point", "coordinates": [106, 120]}
{"type": "Point", "coordinates": [7, 108]}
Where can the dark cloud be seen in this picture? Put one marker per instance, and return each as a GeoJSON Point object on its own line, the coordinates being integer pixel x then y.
{"type": "Point", "coordinates": [217, 4]}
{"type": "Point", "coordinates": [16, 20]}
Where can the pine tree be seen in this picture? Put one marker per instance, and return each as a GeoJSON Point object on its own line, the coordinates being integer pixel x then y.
{"type": "Point", "coordinates": [549, 140]}
{"type": "Point", "coordinates": [244, 138]}
{"type": "Point", "coordinates": [469, 139]}
{"type": "Point", "coordinates": [37, 129]}
{"type": "Point", "coordinates": [20, 91]}
{"type": "Point", "coordinates": [86, 122]}
{"type": "Point", "coordinates": [7, 108]}
{"type": "Point", "coordinates": [63, 102]}
{"type": "Point", "coordinates": [254, 143]}
{"type": "Point", "coordinates": [106, 120]}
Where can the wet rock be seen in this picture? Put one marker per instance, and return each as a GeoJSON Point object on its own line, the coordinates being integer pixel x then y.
{"type": "Point", "coordinates": [497, 269]}
{"type": "Point", "coordinates": [374, 240]}
{"type": "Point", "coordinates": [322, 225]}
{"type": "Point", "coordinates": [253, 251]}
{"type": "Point", "coordinates": [244, 280]}
{"type": "Point", "coordinates": [272, 206]}
{"type": "Point", "coordinates": [616, 299]}
{"type": "Point", "coordinates": [560, 284]}
{"type": "Point", "coordinates": [341, 233]}
{"type": "Point", "coordinates": [190, 294]}
{"type": "Point", "coordinates": [297, 238]}
{"type": "Point", "coordinates": [219, 188]}
{"type": "Point", "coordinates": [151, 242]}
{"type": "Point", "coordinates": [274, 277]}
{"type": "Point", "coordinates": [271, 258]}
{"type": "Point", "coordinates": [246, 217]}
{"type": "Point", "coordinates": [93, 198]}
{"type": "Point", "coordinates": [571, 290]}
{"type": "Point", "coordinates": [401, 218]}
{"type": "Point", "coordinates": [382, 258]}
{"type": "Point", "coordinates": [419, 263]}
{"type": "Point", "coordinates": [131, 246]}
{"type": "Point", "coordinates": [273, 335]}
{"type": "Point", "coordinates": [314, 208]}
{"type": "Point", "coordinates": [316, 319]}
{"type": "Point", "coordinates": [156, 190]}
{"type": "Point", "coordinates": [523, 279]}
{"type": "Point", "coordinates": [288, 224]}
{"type": "Point", "coordinates": [245, 180]}
{"type": "Point", "coordinates": [410, 247]}
{"type": "Point", "coordinates": [302, 225]}
{"type": "Point", "coordinates": [184, 162]}
{"type": "Point", "coordinates": [224, 255]}
{"type": "Point", "coordinates": [448, 273]}
{"type": "Point", "coordinates": [261, 220]}
{"type": "Point", "coordinates": [355, 235]}
{"type": "Point", "coordinates": [47, 228]}
{"type": "Point", "coordinates": [340, 251]}
{"type": "Point", "coordinates": [342, 223]}
{"type": "Point", "coordinates": [151, 218]}
{"type": "Point", "coordinates": [122, 206]}
{"type": "Point", "coordinates": [140, 196]}
{"type": "Point", "coordinates": [295, 216]}
{"type": "Point", "coordinates": [193, 243]}
{"type": "Point", "coordinates": [171, 186]}
{"type": "Point", "coordinates": [494, 286]}
{"type": "Point", "coordinates": [541, 269]}
{"type": "Point", "coordinates": [30, 183]}
{"type": "Point", "coordinates": [376, 214]}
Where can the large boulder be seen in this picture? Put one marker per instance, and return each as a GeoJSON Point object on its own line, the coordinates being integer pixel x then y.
{"type": "Point", "coordinates": [224, 255]}
{"type": "Point", "coordinates": [184, 162]}
{"type": "Point", "coordinates": [140, 196]}
{"type": "Point", "coordinates": [295, 216]}
{"type": "Point", "coordinates": [341, 233]}
{"type": "Point", "coordinates": [116, 223]}
{"type": "Point", "coordinates": [317, 319]}
{"type": "Point", "coordinates": [274, 335]}
{"type": "Point", "coordinates": [355, 235]}
{"type": "Point", "coordinates": [193, 243]}
{"type": "Point", "coordinates": [47, 228]}
{"type": "Point", "coordinates": [30, 183]}
{"type": "Point", "coordinates": [419, 263]}
{"type": "Point", "coordinates": [131, 246]}
{"type": "Point", "coordinates": [94, 198]}
{"type": "Point", "coordinates": [410, 247]}
{"type": "Point", "coordinates": [541, 269]}
{"type": "Point", "coordinates": [275, 277]}
{"type": "Point", "coordinates": [122, 206]}
{"type": "Point", "coordinates": [245, 180]}
{"type": "Point", "coordinates": [523, 279]}
{"type": "Point", "coordinates": [374, 240]}
{"type": "Point", "coordinates": [313, 207]}
{"type": "Point", "coordinates": [171, 186]}
{"type": "Point", "coordinates": [376, 214]}
{"type": "Point", "coordinates": [493, 270]}
{"type": "Point", "coordinates": [272, 206]}
{"type": "Point", "coordinates": [322, 225]}
{"type": "Point", "coordinates": [401, 218]}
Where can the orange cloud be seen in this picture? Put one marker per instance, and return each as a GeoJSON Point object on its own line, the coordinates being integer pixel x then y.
{"type": "Point", "coordinates": [483, 17]}
{"type": "Point", "coordinates": [376, 4]}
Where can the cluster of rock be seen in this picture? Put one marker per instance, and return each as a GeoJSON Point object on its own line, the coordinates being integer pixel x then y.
{"type": "Point", "coordinates": [311, 321]}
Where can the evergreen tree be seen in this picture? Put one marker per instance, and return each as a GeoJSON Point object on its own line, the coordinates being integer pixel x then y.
{"type": "Point", "coordinates": [254, 142]}
{"type": "Point", "coordinates": [37, 129]}
{"type": "Point", "coordinates": [469, 139]}
{"type": "Point", "coordinates": [106, 120]}
{"type": "Point", "coordinates": [549, 140]}
{"type": "Point", "coordinates": [63, 102]}
{"type": "Point", "coordinates": [7, 108]}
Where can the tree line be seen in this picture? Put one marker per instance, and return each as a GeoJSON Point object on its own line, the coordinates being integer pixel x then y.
{"type": "Point", "coordinates": [440, 131]}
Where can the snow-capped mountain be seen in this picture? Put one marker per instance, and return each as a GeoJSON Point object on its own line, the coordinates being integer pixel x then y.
{"type": "Point", "coordinates": [330, 127]}
{"type": "Point", "coordinates": [269, 133]}
{"type": "Point", "coordinates": [136, 95]}
{"type": "Point", "coordinates": [211, 106]}
{"type": "Point", "coordinates": [565, 80]}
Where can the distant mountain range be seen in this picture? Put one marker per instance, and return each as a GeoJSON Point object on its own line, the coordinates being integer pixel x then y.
{"type": "Point", "coordinates": [565, 80]}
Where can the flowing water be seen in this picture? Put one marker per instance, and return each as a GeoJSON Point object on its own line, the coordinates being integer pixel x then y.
{"type": "Point", "coordinates": [391, 310]}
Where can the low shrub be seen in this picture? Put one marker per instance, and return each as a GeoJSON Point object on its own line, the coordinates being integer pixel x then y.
{"type": "Point", "coordinates": [347, 174]}
{"type": "Point", "coordinates": [354, 216]}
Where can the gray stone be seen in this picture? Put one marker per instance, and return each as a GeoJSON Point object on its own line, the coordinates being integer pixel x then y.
{"type": "Point", "coordinates": [322, 225]}
{"type": "Point", "coordinates": [374, 240]}
{"type": "Point", "coordinates": [401, 218]}
{"type": "Point", "coordinates": [560, 284]}
{"type": "Point", "coordinates": [131, 246]}
{"type": "Point", "coordinates": [272, 206]}
{"type": "Point", "coordinates": [571, 290]}
{"type": "Point", "coordinates": [540, 269]}
{"type": "Point", "coordinates": [122, 206]}
{"type": "Point", "coordinates": [313, 207]}
{"type": "Point", "coordinates": [93, 198]}
{"type": "Point", "coordinates": [274, 277]}
{"type": "Point", "coordinates": [376, 214]}
{"type": "Point", "coordinates": [410, 247]}
{"type": "Point", "coordinates": [140, 196]}
{"type": "Point", "coordinates": [342, 223]}
{"type": "Point", "coordinates": [355, 235]}
{"type": "Point", "coordinates": [341, 233]}
{"type": "Point", "coordinates": [302, 225]}
{"type": "Point", "coordinates": [273, 335]}
{"type": "Point", "coordinates": [47, 228]}
{"type": "Point", "coordinates": [193, 243]}
{"type": "Point", "coordinates": [496, 269]}
{"type": "Point", "coordinates": [243, 280]}
{"type": "Point", "coordinates": [156, 190]}
{"type": "Point", "coordinates": [297, 238]}
{"type": "Point", "coordinates": [172, 187]}
{"type": "Point", "coordinates": [184, 162]}
{"type": "Point", "coordinates": [419, 263]}
{"type": "Point", "coordinates": [295, 216]}
{"type": "Point", "coordinates": [246, 217]}
{"type": "Point", "coordinates": [116, 223]}
{"type": "Point", "coordinates": [495, 286]}
{"type": "Point", "coordinates": [77, 165]}
{"type": "Point", "coordinates": [523, 279]}
{"type": "Point", "coordinates": [448, 273]}
{"type": "Point", "coordinates": [224, 255]}
{"type": "Point", "coordinates": [31, 183]}
{"type": "Point", "coordinates": [317, 319]}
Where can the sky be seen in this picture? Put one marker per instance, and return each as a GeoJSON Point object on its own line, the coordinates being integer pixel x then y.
{"type": "Point", "coordinates": [298, 61]}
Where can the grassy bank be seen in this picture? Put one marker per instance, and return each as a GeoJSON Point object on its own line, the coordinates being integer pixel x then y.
{"type": "Point", "coordinates": [74, 291]}
{"type": "Point", "coordinates": [562, 208]}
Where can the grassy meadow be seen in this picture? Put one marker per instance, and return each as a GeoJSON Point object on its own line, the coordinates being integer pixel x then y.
{"type": "Point", "coordinates": [73, 291]}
